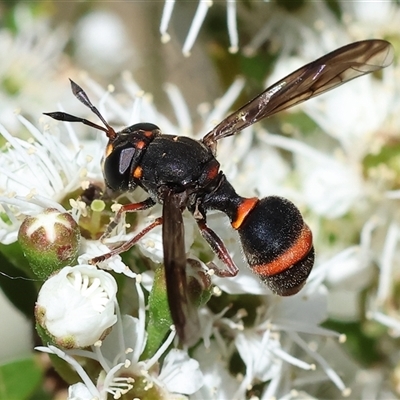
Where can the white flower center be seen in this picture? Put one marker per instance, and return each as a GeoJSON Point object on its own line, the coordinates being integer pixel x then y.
{"type": "Point", "coordinates": [90, 287]}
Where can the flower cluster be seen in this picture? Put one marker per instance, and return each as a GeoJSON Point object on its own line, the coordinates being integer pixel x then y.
{"type": "Point", "coordinates": [77, 308]}
{"type": "Point", "coordinates": [108, 328]}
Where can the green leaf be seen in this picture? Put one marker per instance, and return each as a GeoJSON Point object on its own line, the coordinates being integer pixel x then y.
{"type": "Point", "coordinates": [14, 254]}
{"type": "Point", "coordinates": [17, 285]}
{"type": "Point", "coordinates": [159, 314]}
{"type": "Point", "coordinates": [364, 347]}
{"type": "Point", "coordinates": [62, 367]}
{"type": "Point", "coordinates": [290, 5]}
{"type": "Point", "coordinates": [19, 379]}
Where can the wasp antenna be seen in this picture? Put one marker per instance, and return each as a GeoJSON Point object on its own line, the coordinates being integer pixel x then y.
{"type": "Point", "coordinates": [62, 116]}
{"type": "Point", "coordinates": [81, 95]}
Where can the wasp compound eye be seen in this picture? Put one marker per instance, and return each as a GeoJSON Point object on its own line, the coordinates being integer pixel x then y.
{"type": "Point", "coordinates": [278, 245]}
{"type": "Point", "coordinates": [121, 165]}
{"type": "Point", "coordinates": [117, 165]}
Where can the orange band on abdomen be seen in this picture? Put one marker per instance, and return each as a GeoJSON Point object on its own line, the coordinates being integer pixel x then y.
{"type": "Point", "coordinates": [291, 256]}
{"type": "Point", "coordinates": [244, 208]}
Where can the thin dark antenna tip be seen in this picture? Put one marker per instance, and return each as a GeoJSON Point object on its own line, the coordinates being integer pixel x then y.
{"type": "Point", "coordinates": [81, 95]}
{"type": "Point", "coordinates": [75, 87]}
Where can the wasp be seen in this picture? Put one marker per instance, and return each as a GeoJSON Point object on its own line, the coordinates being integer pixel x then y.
{"type": "Point", "coordinates": [182, 173]}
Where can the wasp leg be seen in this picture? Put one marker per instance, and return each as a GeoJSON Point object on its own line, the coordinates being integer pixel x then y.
{"type": "Point", "coordinates": [143, 205]}
{"type": "Point", "coordinates": [219, 249]}
{"type": "Point", "coordinates": [127, 245]}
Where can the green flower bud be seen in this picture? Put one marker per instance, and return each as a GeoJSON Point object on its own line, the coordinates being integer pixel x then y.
{"type": "Point", "coordinates": [49, 241]}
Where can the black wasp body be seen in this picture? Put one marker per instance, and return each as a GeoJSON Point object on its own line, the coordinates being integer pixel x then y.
{"type": "Point", "coordinates": [275, 240]}
{"type": "Point", "coordinates": [183, 173]}
{"type": "Point", "coordinates": [147, 158]}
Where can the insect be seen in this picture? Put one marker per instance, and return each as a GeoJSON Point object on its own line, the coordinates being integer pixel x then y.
{"type": "Point", "coordinates": [183, 173]}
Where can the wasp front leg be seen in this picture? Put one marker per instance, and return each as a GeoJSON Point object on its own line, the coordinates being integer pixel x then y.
{"type": "Point", "coordinates": [126, 245]}
{"type": "Point", "coordinates": [143, 205]}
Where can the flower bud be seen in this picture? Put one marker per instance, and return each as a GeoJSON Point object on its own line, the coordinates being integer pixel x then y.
{"type": "Point", "coordinates": [76, 306]}
{"type": "Point", "coordinates": [79, 391]}
{"type": "Point", "coordinates": [50, 241]}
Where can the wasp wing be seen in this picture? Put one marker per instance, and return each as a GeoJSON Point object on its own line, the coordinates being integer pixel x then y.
{"type": "Point", "coordinates": [315, 78]}
{"type": "Point", "coordinates": [183, 312]}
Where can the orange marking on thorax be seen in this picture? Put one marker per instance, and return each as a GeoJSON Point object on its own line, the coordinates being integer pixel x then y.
{"type": "Point", "coordinates": [291, 256]}
{"type": "Point", "coordinates": [213, 172]}
{"type": "Point", "coordinates": [138, 172]}
{"type": "Point", "coordinates": [243, 210]}
{"type": "Point", "coordinates": [140, 145]}
{"type": "Point", "coordinates": [109, 149]}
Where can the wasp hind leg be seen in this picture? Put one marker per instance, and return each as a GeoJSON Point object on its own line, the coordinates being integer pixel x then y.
{"type": "Point", "coordinates": [218, 247]}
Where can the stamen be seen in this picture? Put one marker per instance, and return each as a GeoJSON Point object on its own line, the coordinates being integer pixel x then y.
{"type": "Point", "coordinates": [198, 19]}
{"type": "Point", "coordinates": [163, 348]}
{"type": "Point", "coordinates": [224, 103]}
{"type": "Point", "coordinates": [325, 366]}
{"type": "Point", "coordinates": [232, 26]}
{"type": "Point", "coordinates": [75, 365]}
{"type": "Point", "coordinates": [291, 359]}
{"type": "Point", "coordinates": [165, 18]}
{"type": "Point", "coordinates": [388, 253]}
{"type": "Point", "coordinates": [36, 171]}
{"type": "Point", "coordinates": [392, 323]}
{"type": "Point", "coordinates": [180, 107]}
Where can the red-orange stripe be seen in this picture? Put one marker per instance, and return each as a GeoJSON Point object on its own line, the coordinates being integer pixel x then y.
{"type": "Point", "coordinates": [244, 208]}
{"type": "Point", "coordinates": [294, 254]}
{"type": "Point", "coordinates": [138, 172]}
{"type": "Point", "coordinates": [140, 144]}
{"type": "Point", "coordinates": [213, 172]}
{"type": "Point", "coordinates": [109, 149]}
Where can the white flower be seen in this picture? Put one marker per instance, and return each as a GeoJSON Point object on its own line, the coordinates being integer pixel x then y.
{"type": "Point", "coordinates": [120, 357]}
{"type": "Point", "coordinates": [219, 384]}
{"type": "Point", "coordinates": [40, 173]}
{"type": "Point", "coordinates": [201, 12]}
{"type": "Point", "coordinates": [176, 370]}
{"type": "Point", "coordinates": [305, 31]}
{"type": "Point", "coordinates": [382, 306]}
{"type": "Point", "coordinates": [77, 306]}
{"type": "Point", "coordinates": [326, 174]}
{"type": "Point", "coordinates": [330, 186]}
{"type": "Point", "coordinates": [79, 391]}
{"type": "Point", "coordinates": [281, 325]}
{"type": "Point", "coordinates": [371, 19]}
{"type": "Point", "coordinates": [176, 363]}
{"type": "Point", "coordinates": [266, 348]}
{"type": "Point", "coordinates": [92, 248]}
{"type": "Point", "coordinates": [102, 43]}
{"type": "Point", "coordinates": [87, 390]}
{"type": "Point", "coordinates": [30, 74]}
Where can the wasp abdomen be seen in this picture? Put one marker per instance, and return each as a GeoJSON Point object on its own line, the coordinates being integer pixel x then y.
{"type": "Point", "coordinates": [277, 245]}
